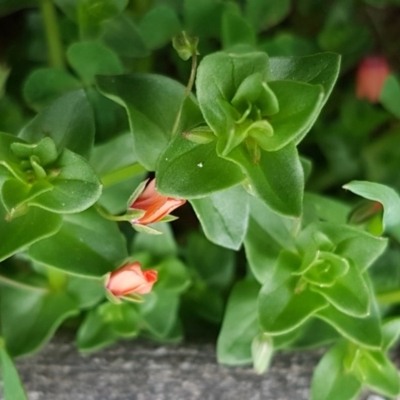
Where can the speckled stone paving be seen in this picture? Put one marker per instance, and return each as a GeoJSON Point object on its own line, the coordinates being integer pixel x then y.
{"type": "Point", "coordinates": [141, 370]}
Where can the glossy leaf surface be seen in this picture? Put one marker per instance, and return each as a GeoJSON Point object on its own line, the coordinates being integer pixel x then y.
{"type": "Point", "coordinates": [87, 244]}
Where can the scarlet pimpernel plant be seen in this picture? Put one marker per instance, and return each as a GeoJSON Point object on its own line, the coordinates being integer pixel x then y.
{"type": "Point", "coordinates": [273, 139]}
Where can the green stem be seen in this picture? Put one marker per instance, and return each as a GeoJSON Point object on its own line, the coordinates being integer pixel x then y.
{"type": "Point", "coordinates": [392, 297]}
{"type": "Point", "coordinates": [56, 55]}
{"type": "Point", "coordinates": [122, 174]}
{"type": "Point", "coordinates": [108, 216]}
{"type": "Point", "coordinates": [20, 285]}
{"type": "Point", "coordinates": [57, 279]}
{"type": "Point", "coordinates": [188, 90]}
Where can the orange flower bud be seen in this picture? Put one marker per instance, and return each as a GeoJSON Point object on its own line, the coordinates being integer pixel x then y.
{"type": "Point", "coordinates": [131, 279]}
{"type": "Point", "coordinates": [371, 74]}
{"type": "Point", "coordinates": [155, 205]}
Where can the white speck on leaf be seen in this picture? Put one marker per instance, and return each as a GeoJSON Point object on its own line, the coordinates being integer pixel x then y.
{"type": "Point", "coordinates": [200, 165]}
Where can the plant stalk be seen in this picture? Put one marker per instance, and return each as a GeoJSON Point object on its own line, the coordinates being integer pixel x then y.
{"type": "Point", "coordinates": [188, 90]}
{"type": "Point", "coordinates": [53, 38]}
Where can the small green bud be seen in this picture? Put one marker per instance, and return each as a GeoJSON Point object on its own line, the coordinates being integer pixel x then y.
{"type": "Point", "coordinates": [39, 171]}
{"type": "Point", "coordinates": [4, 72]}
{"type": "Point", "coordinates": [45, 151]}
{"type": "Point", "coordinates": [201, 135]}
{"type": "Point", "coordinates": [262, 349]}
{"type": "Point", "coordinates": [185, 45]}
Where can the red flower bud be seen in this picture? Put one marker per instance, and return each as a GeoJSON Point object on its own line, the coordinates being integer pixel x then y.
{"type": "Point", "coordinates": [131, 279]}
{"type": "Point", "coordinates": [154, 204]}
{"type": "Point", "coordinates": [371, 74]}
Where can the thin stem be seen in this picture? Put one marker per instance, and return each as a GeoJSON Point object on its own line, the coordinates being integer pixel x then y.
{"type": "Point", "coordinates": [188, 90]}
{"type": "Point", "coordinates": [122, 174]}
{"type": "Point", "coordinates": [110, 217]}
{"type": "Point", "coordinates": [391, 297]}
{"type": "Point", "coordinates": [57, 279]}
{"type": "Point", "coordinates": [20, 285]}
{"type": "Point", "coordinates": [56, 55]}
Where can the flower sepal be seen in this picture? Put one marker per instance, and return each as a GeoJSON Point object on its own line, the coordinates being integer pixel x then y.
{"type": "Point", "coordinates": [133, 298]}
{"type": "Point", "coordinates": [137, 192]}
{"type": "Point", "coordinates": [146, 229]}
{"type": "Point", "coordinates": [133, 213]}
{"type": "Point", "coordinates": [111, 298]}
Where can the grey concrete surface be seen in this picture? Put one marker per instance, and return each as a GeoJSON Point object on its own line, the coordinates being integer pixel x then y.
{"type": "Point", "coordinates": [142, 370]}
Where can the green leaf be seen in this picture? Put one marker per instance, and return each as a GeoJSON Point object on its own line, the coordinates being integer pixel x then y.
{"type": "Point", "coordinates": [42, 311]}
{"type": "Point", "coordinates": [381, 159]}
{"type": "Point", "coordinates": [45, 85]}
{"type": "Point", "coordinates": [360, 118]}
{"type": "Point", "coordinates": [315, 333]}
{"type": "Point", "coordinates": [349, 294]}
{"type": "Point", "coordinates": [88, 292]}
{"type": "Point", "coordinates": [385, 195]}
{"type": "Point", "coordinates": [390, 95]}
{"type": "Point", "coordinates": [12, 386]}
{"type": "Point", "coordinates": [240, 325]}
{"type": "Point", "coordinates": [184, 162]}
{"type": "Point", "coordinates": [7, 156]}
{"type": "Point", "coordinates": [219, 76]}
{"type": "Point", "coordinates": [325, 208]}
{"type": "Point", "coordinates": [351, 243]}
{"type": "Point", "coordinates": [299, 104]}
{"type": "Point", "coordinates": [172, 276]}
{"type": "Point", "coordinates": [68, 121]}
{"type": "Point", "coordinates": [318, 69]}
{"type": "Point", "coordinates": [86, 245]}
{"type": "Point", "coordinates": [265, 14]}
{"type": "Point", "coordinates": [235, 29]}
{"type": "Point", "coordinates": [212, 264]}
{"type": "Point", "coordinates": [277, 179]}
{"type": "Point", "coordinates": [196, 13]}
{"type": "Point", "coordinates": [262, 251]}
{"type": "Point", "coordinates": [119, 171]}
{"type": "Point", "coordinates": [205, 302]}
{"type": "Point", "coordinates": [363, 249]}
{"type": "Point", "coordinates": [12, 116]}
{"type": "Point", "coordinates": [287, 43]}
{"type": "Point", "coordinates": [151, 121]}
{"type": "Point", "coordinates": [281, 228]}
{"type": "Point", "coordinates": [331, 380]}
{"type": "Point", "coordinates": [122, 35]}
{"type": "Point", "coordinates": [159, 311]}
{"type": "Point", "coordinates": [343, 33]}
{"type": "Point", "coordinates": [93, 334]}
{"type": "Point", "coordinates": [92, 12]}
{"type": "Point", "coordinates": [377, 372]}
{"type": "Point", "coordinates": [104, 324]}
{"type": "Point", "coordinates": [224, 216]}
{"type": "Point", "coordinates": [16, 195]}
{"type": "Point", "coordinates": [364, 331]}
{"type": "Point", "coordinates": [159, 246]}
{"type": "Point", "coordinates": [283, 305]}
{"type": "Point", "coordinates": [75, 187]}
{"type": "Point", "coordinates": [110, 117]}
{"type": "Point", "coordinates": [93, 58]}
{"type": "Point", "coordinates": [24, 230]}
{"type": "Point", "coordinates": [44, 152]}
{"type": "Point", "coordinates": [167, 23]}
{"type": "Point", "coordinates": [391, 332]}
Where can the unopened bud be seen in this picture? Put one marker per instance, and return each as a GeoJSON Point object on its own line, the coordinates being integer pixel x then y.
{"type": "Point", "coordinates": [262, 350]}
{"type": "Point", "coordinates": [185, 45]}
{"type": "Point", "coordinates": [200, 135]}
